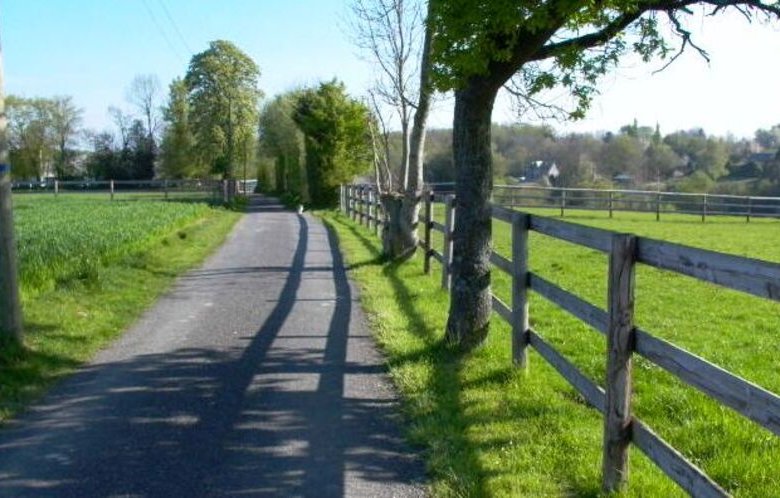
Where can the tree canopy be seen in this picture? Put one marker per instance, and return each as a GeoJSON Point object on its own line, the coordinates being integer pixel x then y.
{"type": "Point", "coordinates": [337, 144]}
{"type": "Point", "coordinates": [223, 99]}
{"type": "Point", "coordinates": [479, 46]}
{"type": "Point", "coordinates": [42, 136]}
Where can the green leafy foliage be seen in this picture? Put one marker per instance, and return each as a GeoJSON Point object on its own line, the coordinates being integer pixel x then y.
{"type": "Point", "coordinates": [559, 43]}
{"type": "Point", "coordinates": [178, 158]}
{"type": "Point", "coordinates": [42, 131]}
{"type": "Point", "coordinates": [283, 143]}
{"type": "Point", "coordinates": [223, 99]}
{"type": "Point", "coordinates": [337, 143]}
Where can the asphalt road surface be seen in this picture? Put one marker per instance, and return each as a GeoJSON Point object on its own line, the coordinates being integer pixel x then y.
{"type": "Point", "coordinates": [254, 376]}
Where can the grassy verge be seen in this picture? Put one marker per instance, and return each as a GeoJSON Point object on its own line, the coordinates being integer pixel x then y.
{"type": "Point", "coordinates": [66, 324]}
{"type": "Point", "coordinates": [490, 430]}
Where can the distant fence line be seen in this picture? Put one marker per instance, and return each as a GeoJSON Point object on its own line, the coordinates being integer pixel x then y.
{"type": "Point", "coordinates": [643, 201]}
{"type": "Point", "coordinates": [624, 338]}
{"type": "Point", "coordinates": [206, 189]}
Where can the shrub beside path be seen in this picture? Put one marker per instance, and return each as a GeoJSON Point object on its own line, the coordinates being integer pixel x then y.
{"type": "Point", "coordinates": [256, 375]}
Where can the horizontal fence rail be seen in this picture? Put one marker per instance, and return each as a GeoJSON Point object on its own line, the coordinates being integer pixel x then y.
{"type": "Point", "coordinates": [181, 190]}
{"type": "Point", "coordinates": [621, 428]}
{"type": "Point", "coordinates": [618, 200]}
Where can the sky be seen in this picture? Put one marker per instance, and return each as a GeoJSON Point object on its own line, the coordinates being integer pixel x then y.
{"type": "Point", "coordinates": [92, 49]}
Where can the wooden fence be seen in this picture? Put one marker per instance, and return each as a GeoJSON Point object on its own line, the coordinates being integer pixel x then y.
{"type": "Point", "coordinates": [612, 201]}
{"type": "Point", "coordinates": [206, 189]}
{"type": "Point", "coordinates": [621, 427]}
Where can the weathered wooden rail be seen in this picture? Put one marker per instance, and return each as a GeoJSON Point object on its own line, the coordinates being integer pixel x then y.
{"type": "Point", "coordinates": [612, 201]}
{"type": "Point", "coordinates": [621, 427]}
{"type": "Point", "coordinates": [655, 202]}
{"type": "Point", "coordinates": [362, 203]}
{"type": "Point", "coordinates": [205, 189]}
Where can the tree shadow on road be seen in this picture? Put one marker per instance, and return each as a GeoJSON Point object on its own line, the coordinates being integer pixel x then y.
{"type": "Point", "coordinates": [311, 419]}
{"type": "Point", "coordinates": [440, 422]}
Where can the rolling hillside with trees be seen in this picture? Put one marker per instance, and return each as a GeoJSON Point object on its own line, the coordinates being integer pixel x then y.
{"type": "Point", "coordinates": [634, 156]}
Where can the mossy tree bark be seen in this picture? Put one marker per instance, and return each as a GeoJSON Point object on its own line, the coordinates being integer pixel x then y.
{"type": "Point", "coordinates": [470, 303]}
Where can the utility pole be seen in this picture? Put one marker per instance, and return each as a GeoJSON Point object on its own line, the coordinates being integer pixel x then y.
{"type": "Point", "coordinates": [10, 307]}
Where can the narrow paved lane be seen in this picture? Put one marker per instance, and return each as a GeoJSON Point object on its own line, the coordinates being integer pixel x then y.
{"type": "Point", "coordinates": [255, 376]}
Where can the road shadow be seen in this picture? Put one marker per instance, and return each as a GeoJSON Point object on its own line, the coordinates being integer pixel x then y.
{"type": "Point", "coordinates": [264, 204]}
{"type": "Point", "coordinates": [444, 409]}
{"type": "Point", "coordinates": [258, 419]}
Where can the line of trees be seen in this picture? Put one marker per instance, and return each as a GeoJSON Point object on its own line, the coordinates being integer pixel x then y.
{"type": "Point", "coordinates": [42, 136]}
{"type": "Point", "coordinates": [304, 143]}
{"type": "Point", "coordinates": [312, 140]}
{"type": "Point", "coordinates": [686, 160]}
{"type": "Point", "coordinates": [207, 127]}
{"type": "Point", "coordinates": [529, 49]}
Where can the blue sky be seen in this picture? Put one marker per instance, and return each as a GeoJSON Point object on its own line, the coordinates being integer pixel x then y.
{"type": "Point", "coordinates": [91, 49]}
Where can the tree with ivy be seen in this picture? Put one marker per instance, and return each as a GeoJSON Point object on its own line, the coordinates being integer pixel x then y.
{"type": "Point", "coordinates": [337, 144]}
{"type": "Point", "coordinates": [480, 47]}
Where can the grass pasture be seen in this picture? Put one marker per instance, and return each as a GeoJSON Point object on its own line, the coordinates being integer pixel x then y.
{"type": "Point", "coordinates": [490, 430]}
{"type": "Point", "coordinates": [88, 268]}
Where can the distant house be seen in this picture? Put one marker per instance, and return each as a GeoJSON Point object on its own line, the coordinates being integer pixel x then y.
{"type": "Point", "coordinates": [623, 179]}
{"type": "Point", "coordinates": [540, 171]}
{"type": "Point", "coordinates": [753, 165]}
{"type": "Point", "coordinates": [761, 158]}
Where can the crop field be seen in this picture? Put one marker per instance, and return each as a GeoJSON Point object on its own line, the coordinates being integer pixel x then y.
{"type": "Point", "coordinates": [65, 238]}
{"type": "Point", "coordinates": [89, 267]}
{"type": "Point", "coordinates": [492, 430]}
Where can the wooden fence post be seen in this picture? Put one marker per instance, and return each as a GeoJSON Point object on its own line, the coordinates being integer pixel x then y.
{"type": "Point", "coordinates": [355, 206]}
{"type": "Point", "coordinates": [520, 223]}
{"type": "Point", "coordinates": [658, 206]}
{"type": "Point", "coordinates": [111, 189]}
{"type": "Point", "coordinates": [617, 414]}
{"type": "Point", "coordinates": [359, 204]}
{"type": "Point", "coordinates": [563, 202]}
{"type": "Point", "coordinates": [56, 188]}
{"type": "Point", "coordinates": [359, 201]}
{"type": "Point", "coordinates": [704, 208]}
{"type": "Point", "coordinates": [377, 208]}
{"type": "Point", "coordinates": [427, 232]}
{"type": "Point", "coordinates": [10, 300]}
{"type": "Point", "coordinates": [449, 226]}
{"type": "Point", "coordinates": [610, 203]}
{"type": "Point", "coordinates": [165, 188]}
{"type": "Point", "coordinates": [371, 208]}
{"type": "Point", "coordinates": [367, 206]}
{"type": "Point", "coordinates": [749, 208]}
{"type": "Point", "coordinates": [224, 191]}
{"type": "Point", "coordinates": [362, 201]}
{"type": "Point", "coordinates": [349, 201]}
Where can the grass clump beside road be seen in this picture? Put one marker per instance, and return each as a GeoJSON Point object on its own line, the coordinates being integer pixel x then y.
{"type": "Point", "coordinates": [88, 270]}
{"type": "Point", "coordinates": [488, 429]}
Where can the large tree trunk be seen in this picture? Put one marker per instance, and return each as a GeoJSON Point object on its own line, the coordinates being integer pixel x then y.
{"type": "Point", "coordinates": [470, 302]}
{"type": "Point", "coordinates": [399, 231]}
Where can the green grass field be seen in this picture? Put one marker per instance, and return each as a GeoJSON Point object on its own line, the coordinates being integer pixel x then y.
{"type": "Point", "coordinates": [89, 267]}
{"type": "Point", "coordinates": [490, 430]}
